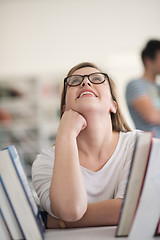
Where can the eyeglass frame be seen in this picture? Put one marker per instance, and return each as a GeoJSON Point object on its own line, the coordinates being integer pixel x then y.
{"type": "Point", "coordinates": [83, 77]}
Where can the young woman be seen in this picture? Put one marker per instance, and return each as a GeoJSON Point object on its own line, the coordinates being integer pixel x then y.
{"type": "Point", "coordinates": [82, 178]}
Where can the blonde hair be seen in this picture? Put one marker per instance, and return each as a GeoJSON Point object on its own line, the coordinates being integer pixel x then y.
{"type": "Point", "coordinates": [118, 121]}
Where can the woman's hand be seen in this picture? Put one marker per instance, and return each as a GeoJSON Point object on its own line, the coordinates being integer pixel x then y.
{"type": "Point", "coordinates": [72, 123]}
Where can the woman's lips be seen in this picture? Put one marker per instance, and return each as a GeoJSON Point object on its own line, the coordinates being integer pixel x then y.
{"type": "Point", "coordinates": [87, 93]}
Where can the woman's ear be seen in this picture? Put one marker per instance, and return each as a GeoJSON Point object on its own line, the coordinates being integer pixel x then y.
{"type": "Point", "coordinates": [113, 107]}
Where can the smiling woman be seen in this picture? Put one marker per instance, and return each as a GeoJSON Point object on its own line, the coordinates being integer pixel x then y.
{"type": "Point", "coordinates": [82, 178]}
{"type": "Point", "coordinates": [118, 121]}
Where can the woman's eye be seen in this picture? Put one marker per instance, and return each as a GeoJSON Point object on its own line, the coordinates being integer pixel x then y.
{"type": "Point", "coordinates": [75, 81]}
{"type": "Point", "coordinates": [96, 79]}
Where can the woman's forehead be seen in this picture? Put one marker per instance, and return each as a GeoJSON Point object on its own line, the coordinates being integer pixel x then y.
{"type": "Point", "coordinates": [85, 71]}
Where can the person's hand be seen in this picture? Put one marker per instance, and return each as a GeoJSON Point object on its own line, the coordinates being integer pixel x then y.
{"type": "Point", "coordinates": [72, 123]}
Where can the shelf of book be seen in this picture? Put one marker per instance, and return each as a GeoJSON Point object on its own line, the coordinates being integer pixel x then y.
{"type": "Point", "coordinates": [29, 114]}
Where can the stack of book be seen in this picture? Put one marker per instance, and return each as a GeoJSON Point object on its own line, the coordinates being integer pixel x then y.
{"type": "Point", "coordinates": [19, 214]}
{"type": "Point", "coordinates": [140, 212]}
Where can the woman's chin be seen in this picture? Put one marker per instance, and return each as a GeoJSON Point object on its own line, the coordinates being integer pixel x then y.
{"type": "Point", "coordinates": [85, 110]}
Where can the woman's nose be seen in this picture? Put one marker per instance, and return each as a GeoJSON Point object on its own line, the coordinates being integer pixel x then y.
{"type": "Point", "coordinates": [86, 82]}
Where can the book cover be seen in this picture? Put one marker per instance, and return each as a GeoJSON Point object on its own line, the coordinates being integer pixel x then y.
{"type": "Point", "coordinates": [24, 181]}
{"type": "Point", "coordinates": [157, 233]}
{"type": "Point", "coordinates": [4, 231]}
{"type": "Point", "coordinates": [9, 213]}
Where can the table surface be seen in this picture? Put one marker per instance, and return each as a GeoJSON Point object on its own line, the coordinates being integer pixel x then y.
{"type": "Point", "coordinates": [91, 233]}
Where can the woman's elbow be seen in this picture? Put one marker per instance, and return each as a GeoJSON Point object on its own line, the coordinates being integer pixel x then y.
{"type": "Point", "coordinates": [69, 213]}
{"type": "Point", "coordinates": [73, 214]}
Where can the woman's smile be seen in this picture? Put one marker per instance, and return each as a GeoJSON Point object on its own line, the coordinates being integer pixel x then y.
{"type": "Point", "coordinates": [87, 93]}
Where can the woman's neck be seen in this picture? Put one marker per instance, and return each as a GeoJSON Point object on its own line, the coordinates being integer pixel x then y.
{"type": "Point", "coordinates": [97, 141]}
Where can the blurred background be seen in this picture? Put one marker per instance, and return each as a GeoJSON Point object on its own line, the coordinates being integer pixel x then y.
{"type": "Point", "coordinates": [40, 40]}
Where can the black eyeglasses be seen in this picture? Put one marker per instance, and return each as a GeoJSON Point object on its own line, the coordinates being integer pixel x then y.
{"type": "Point", "coordinates": [95, 78]}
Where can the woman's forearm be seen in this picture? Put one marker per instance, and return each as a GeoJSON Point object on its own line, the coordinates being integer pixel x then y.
{"type": "Point", "coordinates": [104, 213]}
{"type": "Point", "coordinates": [67, 192]}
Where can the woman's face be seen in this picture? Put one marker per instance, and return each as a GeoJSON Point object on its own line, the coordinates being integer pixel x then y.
{"type": "Point", "coordinates": [89, 97]}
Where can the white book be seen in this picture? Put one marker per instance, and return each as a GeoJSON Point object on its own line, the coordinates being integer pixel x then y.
{"type": "Point", "coordinates": [148, 210]}
{"type": "Point", "coordinates": [19, 193]}
{"type": "Point", "coordinates": [9, 214]}
{"type": "Point", "coordinates": [4, 233]}
{"type": "Point", "coordinates": [135, 183]}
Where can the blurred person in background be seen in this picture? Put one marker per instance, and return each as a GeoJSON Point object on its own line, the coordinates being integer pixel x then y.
{"type": "Point", "coordinates": [143, 94]}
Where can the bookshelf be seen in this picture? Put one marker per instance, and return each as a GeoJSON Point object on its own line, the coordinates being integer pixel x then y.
{"type": "Point", "coordinates": [29, 115]}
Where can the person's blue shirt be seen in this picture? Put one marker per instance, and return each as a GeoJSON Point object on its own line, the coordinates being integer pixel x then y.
{"type": "Point", "coordinates": [135, 89]}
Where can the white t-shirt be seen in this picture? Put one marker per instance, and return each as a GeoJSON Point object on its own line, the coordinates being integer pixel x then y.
{"type": "Point", "coordinates": [107, 183]}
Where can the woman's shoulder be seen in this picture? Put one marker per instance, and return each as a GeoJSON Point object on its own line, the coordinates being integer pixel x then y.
{"type": "Point", "coordinates": [131, 133]}
{"type": "Point", "coordinates": [46, 157]}
{"type": "Point", "coordinates": [129, 137]}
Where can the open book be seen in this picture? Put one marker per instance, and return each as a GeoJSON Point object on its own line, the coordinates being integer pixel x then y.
{"type": "Point", "coordinates": [140, 210]}
{"type": "Point", "coordinates": [15, 184]}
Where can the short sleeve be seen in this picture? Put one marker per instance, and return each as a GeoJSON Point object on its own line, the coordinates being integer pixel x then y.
{"type": "Point", "coordinates": [42, 170]}
{"type": "Point", "coordinates": [134, 90]}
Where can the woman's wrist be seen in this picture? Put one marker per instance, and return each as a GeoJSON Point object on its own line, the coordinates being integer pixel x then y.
{"type": "Point", "coordinates": [65, 137]}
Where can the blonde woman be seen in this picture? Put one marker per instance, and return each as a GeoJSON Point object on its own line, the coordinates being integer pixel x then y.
{"type": "Point", "coordinates": [81, 180]}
